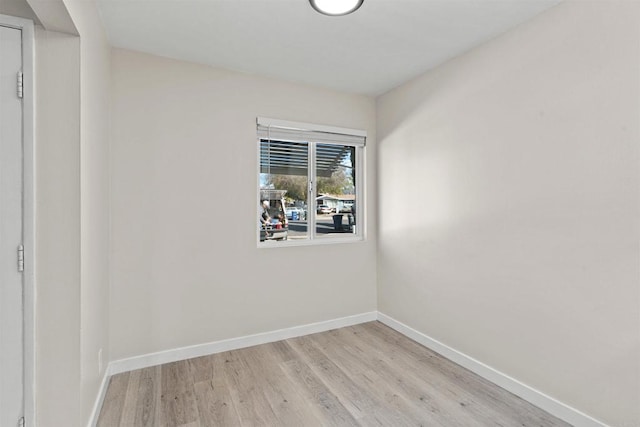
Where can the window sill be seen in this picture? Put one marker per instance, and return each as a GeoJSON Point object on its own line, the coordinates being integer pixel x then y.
{"type": "Point", "coordinates": [306, 242]}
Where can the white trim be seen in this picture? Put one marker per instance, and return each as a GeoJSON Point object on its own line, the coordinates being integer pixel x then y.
{"type": "Point", "coordinates": [257, 196]}
{"type": "Point", "coordinates": [29, 220]}
{"type": "Point", "coordinates": [312, 193]}
{"type": "Point", "coordinates": [15, 22]}
{"type": "Point", "coordinates": [332, 240]}
{"type": "Point", "coordinates": [286, 124]}
{"type": "Point", "coordinates": [359, 234]}
{"type": "Point", "coordinates": [102, 392]}
{"type": "Point", "coordinates": [537, 398]}
{"type": "Point", "coordinates": [174, 355]}
{"type": "Point", "coordinates": [361, 206]}
{"type": "Point", "coordinates": [28, 212]}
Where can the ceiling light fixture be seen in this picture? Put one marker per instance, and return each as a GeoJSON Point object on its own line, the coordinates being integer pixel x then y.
{"type": "Point", "coordinates": [336, 7]}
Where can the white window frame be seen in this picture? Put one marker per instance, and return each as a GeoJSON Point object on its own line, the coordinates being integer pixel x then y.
{"type": "Point", "coordinates": [360, 185]}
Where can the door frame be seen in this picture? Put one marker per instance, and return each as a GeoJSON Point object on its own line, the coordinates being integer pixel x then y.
{"type": "Point", "coordinates": [28, 212]}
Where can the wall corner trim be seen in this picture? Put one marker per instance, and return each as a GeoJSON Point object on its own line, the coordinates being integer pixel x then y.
{"type": "Point", "coordinates": [531, 395]}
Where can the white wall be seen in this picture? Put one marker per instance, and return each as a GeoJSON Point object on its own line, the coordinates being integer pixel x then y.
{"type": "Point", "coordinates": [57, 143]}
{"type": "Point", "coordinates": [509, 209]}
{"type": "Point", "coordinates": [95, 97]}
{"type": "Point", "coordinates": [186, 269]}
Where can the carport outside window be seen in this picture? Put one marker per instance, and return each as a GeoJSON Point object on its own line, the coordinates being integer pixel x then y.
{"type": "Point", "coordinates": [299, 203]}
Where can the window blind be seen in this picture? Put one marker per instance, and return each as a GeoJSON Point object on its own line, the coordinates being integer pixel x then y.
{"type": "Point", "coordinates": [270, 129]}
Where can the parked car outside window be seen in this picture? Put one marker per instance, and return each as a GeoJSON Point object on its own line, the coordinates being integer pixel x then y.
{"type": "Point", "coordinates": [324, 209]}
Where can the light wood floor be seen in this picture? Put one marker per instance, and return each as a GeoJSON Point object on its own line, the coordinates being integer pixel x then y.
{"type": "Point", "coordinates": [357, 376]}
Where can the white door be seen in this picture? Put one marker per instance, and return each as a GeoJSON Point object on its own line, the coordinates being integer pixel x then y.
{"type": "Point", "coordinates": [11, 306]}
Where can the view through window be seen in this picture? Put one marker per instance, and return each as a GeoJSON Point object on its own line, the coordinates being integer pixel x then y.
{"type": "Point", "coordinates": [309, 183]}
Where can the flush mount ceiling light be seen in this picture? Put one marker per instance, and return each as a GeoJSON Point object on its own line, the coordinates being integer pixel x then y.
{"type": "Point", "coordinates": [336, 7]}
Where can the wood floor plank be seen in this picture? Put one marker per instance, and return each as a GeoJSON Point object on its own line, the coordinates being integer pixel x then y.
{"type": "Point", "coordinates": [148, 408]}
{"type": "Point", "coordinates": [362, 375]}
{"type": "Point", "coordinates": [332, 410]}
{"type": "Point", "coordinates": [431, 386]}
{"type": "Point", "coordinates": [201, 368]}
{"type": "Point", "coordinates": [384, 388]}
{"type": "Point", "coordinates": [398, 387]}
{"type": "Point", "coordinates": [246, 391]}
{"type": "Point", "coordinates": [370, 411]}
{"type": "Point", "coordinates": [481, 399]}
{"type": "Point", "coordinates": [178, 401]}
{"type": "Point", "coordinates": [130, 406]}
{"type": "Point", "coordinates": [215, 405]}
{"type": "Point", "coordinates": [111, 412]}
{"type": "Point", "coordinates": [281, 393]}
{"type": "Point", "coordinates": [282, 350]}
{"type": "Point", "coordinates": [353, 396]}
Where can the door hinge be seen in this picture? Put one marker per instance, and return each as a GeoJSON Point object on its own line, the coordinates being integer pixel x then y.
{"type": "Point", "coordinates": [20, 258]}
{"type": "Point", "coordinates": [20, 84]}
{"type": "Point", "coordinates": [21, 422]}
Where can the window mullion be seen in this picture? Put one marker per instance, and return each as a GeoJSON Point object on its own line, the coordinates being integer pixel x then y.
{"type": "Point", "coordinates": [311, 186]}
{"type": "Point", "coordinates": [359, 190]}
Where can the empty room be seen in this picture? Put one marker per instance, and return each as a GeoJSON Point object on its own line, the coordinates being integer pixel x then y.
{"type": "Point", "coordinates": [320, 213]}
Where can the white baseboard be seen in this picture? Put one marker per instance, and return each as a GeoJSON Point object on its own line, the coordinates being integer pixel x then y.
{"type": "Point", "coordinates": [102, 391]}
{"type": "Point", "coordinates": [539, 399]}
{"type": "Point", "coordinates": [174, 355]}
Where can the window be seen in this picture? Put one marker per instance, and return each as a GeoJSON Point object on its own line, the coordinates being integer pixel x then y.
{"type": "Point", "coordinates": [310, 182]}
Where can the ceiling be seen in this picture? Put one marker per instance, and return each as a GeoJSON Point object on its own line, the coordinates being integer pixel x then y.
{"type": "Point", "coordinates": [377, 48]}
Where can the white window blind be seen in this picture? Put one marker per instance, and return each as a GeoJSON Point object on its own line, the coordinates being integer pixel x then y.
{"type": "Point", "coordinates": [271, 129]}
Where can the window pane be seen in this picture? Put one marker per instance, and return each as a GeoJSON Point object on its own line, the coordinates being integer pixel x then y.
{"type": "Point", "coordinates": [284, 184]}
{"type": "Point", "coordinates": [335, 202]}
